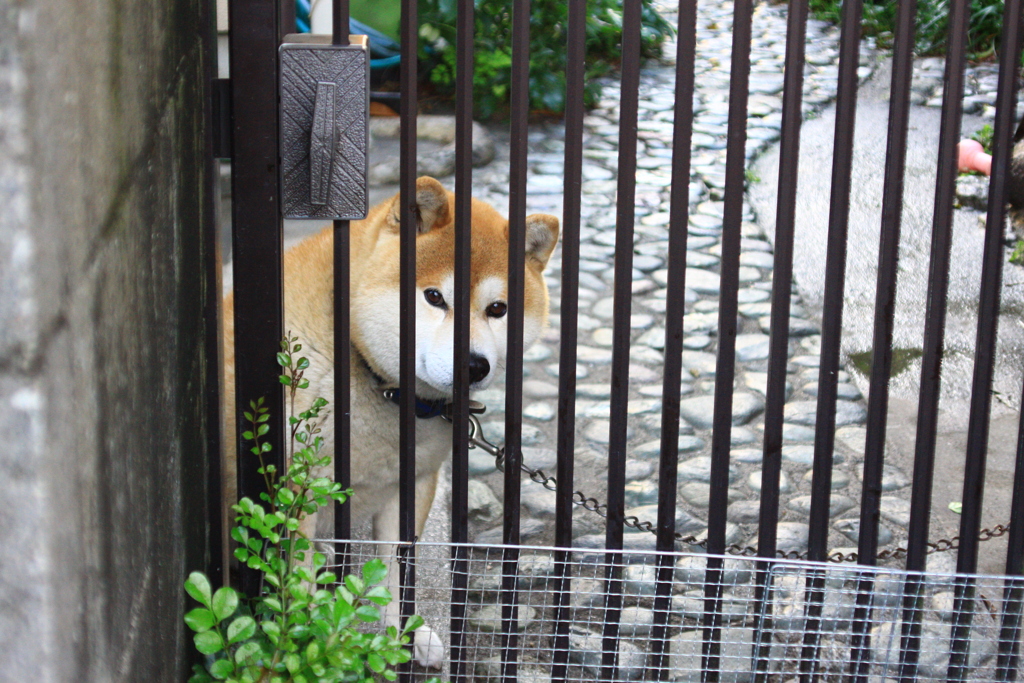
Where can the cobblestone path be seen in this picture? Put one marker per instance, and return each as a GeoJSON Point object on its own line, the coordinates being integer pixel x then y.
{"type": "Point", "coordinates": [545, 184]}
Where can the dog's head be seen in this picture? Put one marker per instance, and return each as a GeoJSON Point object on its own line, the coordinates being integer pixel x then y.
{"type": "Point", "coordinates": [375, 309]}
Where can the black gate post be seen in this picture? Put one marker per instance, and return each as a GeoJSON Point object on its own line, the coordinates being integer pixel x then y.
{"type": "Point", "coordinates": [256, 223]}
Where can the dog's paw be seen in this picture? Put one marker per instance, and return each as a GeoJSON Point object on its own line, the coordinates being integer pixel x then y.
{"type": "Point", "coordinates": [428, 648]}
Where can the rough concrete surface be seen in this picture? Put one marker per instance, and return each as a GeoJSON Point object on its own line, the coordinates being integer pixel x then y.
{"type": "Point", "coordinates": [812, 218]}
{"type": "Point", "coordinates": [105, 210]}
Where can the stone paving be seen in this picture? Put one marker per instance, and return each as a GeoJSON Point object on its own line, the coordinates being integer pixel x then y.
{"type": "Point", "coordinates": [545, 184]}
{"type": "Point", "coordinates": [701, 318]}
{"type": "Point", "coordinates": [650, 294]}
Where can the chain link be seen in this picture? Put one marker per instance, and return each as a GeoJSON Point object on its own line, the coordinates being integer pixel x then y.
{"type": "Point", "coordinates": [580, 499]}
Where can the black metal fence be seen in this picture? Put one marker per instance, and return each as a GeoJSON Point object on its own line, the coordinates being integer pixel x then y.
{"type": "Point", "coordinates": [256, 30]}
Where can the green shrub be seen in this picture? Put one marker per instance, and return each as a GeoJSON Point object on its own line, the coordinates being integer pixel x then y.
{"type": "Point", "coordinates": [548, 33]}
{"type": "Point", "coordinates": [984, 136]}
{"type": "Point", "coordinates": [303, 626]}
{"type": "Point", "coordinates": [879, 20]}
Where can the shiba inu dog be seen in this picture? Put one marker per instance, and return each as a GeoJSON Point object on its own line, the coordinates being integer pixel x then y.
{"type": "Point", "coordinates": [374, 352]}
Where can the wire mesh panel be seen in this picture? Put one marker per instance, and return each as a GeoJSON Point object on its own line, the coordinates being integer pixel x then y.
{"type": "Point", "coordinates": [785, 617]}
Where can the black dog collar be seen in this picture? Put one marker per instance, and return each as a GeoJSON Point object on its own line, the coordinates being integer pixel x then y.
{"type": "Point", "coordinates": [425, 408]}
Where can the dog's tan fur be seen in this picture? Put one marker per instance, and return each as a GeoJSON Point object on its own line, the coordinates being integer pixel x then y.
{"type": "Point", "coordinates": [374, 264]}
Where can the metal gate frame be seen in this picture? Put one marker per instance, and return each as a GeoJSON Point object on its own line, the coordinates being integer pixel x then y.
{"type": "Point", "coordinates": [256, 30]}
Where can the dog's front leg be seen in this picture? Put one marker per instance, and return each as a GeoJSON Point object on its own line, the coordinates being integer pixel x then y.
{"type": "Point", "coordinates": [427, 645]}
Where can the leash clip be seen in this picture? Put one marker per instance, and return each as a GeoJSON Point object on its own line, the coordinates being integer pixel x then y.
{"type": "Point", "coordinates": [476, 433]}
{"type": "Point", "coordinates": [477, 440]}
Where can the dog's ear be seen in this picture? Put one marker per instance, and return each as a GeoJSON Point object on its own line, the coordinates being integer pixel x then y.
{"type": "Point", "coordinates": [432, 209]}
{"type": "Point", "coordinates": [541, 237]}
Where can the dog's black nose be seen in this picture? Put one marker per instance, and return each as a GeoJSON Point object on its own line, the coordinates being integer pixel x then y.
{"type": "Point", "coordinates": [478, 367]}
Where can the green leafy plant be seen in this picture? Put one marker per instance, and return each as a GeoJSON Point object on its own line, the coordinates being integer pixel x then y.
{"type": "Point", "coordinates": [1017, 256]}
{"type": "Point", "coordinates": [548, 33]}
{"type": "Point", "coordinates": [932, 24]}
{"type": "Point", "coordinates": [984, 136]}
{"type": "Point", "coordinates": [302, 627]}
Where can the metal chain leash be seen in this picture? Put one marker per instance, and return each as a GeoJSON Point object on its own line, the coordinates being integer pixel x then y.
{"type": "Point", "coordinates": [579, 499]}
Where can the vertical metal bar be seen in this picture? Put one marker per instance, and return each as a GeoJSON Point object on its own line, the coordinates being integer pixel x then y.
{"type": "Point", "coordinates": [256, 233]}
{"type": "Point", "coordinates": [832, 325]}
{"type": "Point", "coordinates": [934, 340]}
{"type": "Point", "coordinates": [342, 374]}
{"type": "Point", "coordinates": [1013, 594]}
{"type": "Point", "coordinates": [214, 330]}
{"type": "Point", "coordinates": [725, 371]}
{"type": "Point", "coordinates": [460, 305]}
{"type": "Point", "coordinates": [782, 286]}
{"type": "Point", "coordinates": [985, 346]}
{"type": "Point", "coordinates": [938, 284]}
{"type": "Point", "coordinates": [885, 305]}
{"type": "Point", "coordinates": [622, 301]}
{"type": "Point", "coordinates": [407, 309]}
{"type": "Point", "coordinates": [339, 22]}
{"type": "Point", "coordinates": [287, 21]}
{"type": "Point", "coordinates": [519, 109]}
{"type": "Point", "coordinates": [679, 212]}
{"type": "Point", "coordinates": [568, 327]}
{"type": "Point", "coordinates": [342, 358]}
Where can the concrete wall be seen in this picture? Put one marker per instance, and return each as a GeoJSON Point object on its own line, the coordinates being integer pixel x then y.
{"type": "Point", "coordinates": [105, 202]}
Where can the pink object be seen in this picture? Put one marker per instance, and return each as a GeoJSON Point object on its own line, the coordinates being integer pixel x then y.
{"type": "Point", "coordinates": [971, 157]}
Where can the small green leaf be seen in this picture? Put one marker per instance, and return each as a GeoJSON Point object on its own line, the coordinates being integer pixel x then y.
{"type": "Point", "coordinates": [225, 602]}
{"type": "Point", "coordinates": [200, 620]}
{"type": "Point", "coordinates": [313, 651]}
{"type": "Point", "coordinates": [198, 586]}
{"type": "Point", "coordinates": [293, 663]}
{"type": "Point", "coordinates": [247, 435]}
{"type": "Point", "coordinates": [378, 595]}
{"type": "Point", "coordinates": [283, 359]}
{"type": "Point", "coordinates": [273, 604]}
{"type": "Point", "coordinates": [355, 584]}
{"type": "Point", "coordinates": [200, 676]}
{"type": "Point", "coordinates": [303, 362]}
{"type": "Point", "coordinates": [343, 613]}
{"type": "Point", "coordinates": [374, 571]}
{"type": "Point", "coordinates": [368, 613]}
{"type": "Point", "coordinates": [285, 380]}
{"type": "Point", "coordinates": [222, 668]}
{"type": "Point", "coordinates": [326, 577]}
{"type": "Point", "coordinates": [286, 496]}
{"type": "Point", "coordinates": [208, 642]}
{"type": "Point", "coordinates": [262, 429]}
{"type": "Point", "coordinates": [376, 662]}
{"type": "Point", "coordinates": [248, 653]}
{"type": "Point", "coordinates": [412, 623]}
{"type": "Point", "coordinates": [240, 629]}
{"type": "Point", "coordinates": [957, 507]}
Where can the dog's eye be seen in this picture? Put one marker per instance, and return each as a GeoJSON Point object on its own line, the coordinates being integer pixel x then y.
{"type": "Point", "coordinates": [434, 298]}
{"type": "Point", "coordinates": [497, 309]}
